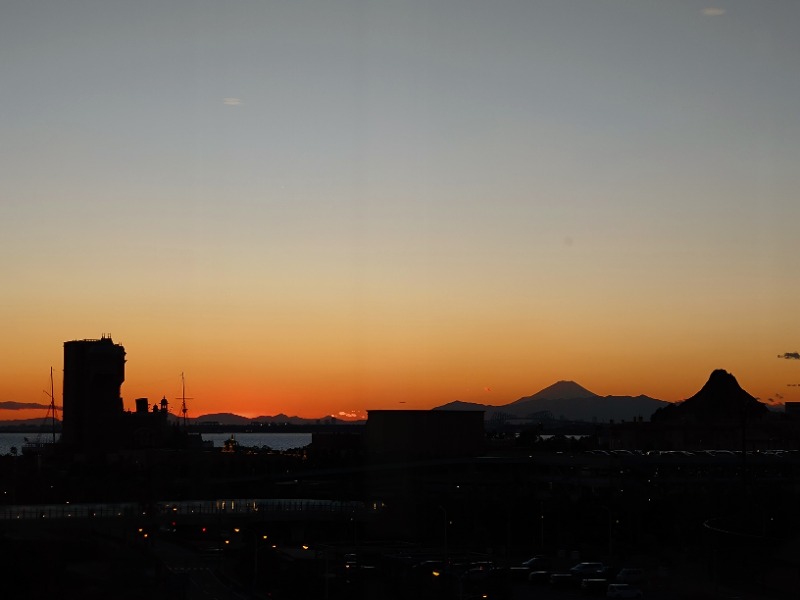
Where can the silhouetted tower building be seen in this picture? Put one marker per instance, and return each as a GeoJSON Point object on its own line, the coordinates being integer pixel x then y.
{"type": "Point", "coordinates": [93, 374]}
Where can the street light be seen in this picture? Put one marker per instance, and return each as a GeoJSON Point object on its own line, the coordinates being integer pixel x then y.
{"type": "Point", "coordinates": [256, 541]}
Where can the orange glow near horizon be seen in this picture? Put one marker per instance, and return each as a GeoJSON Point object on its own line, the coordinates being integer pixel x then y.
{"type": "Point", "coordinates": [401, 207]}
{"type": "Point", "coordinates": [391, 378]}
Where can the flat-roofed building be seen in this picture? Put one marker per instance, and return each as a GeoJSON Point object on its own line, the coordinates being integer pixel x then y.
{"type": "Point", "coordinates": [792, 409]}
{"type": "Point", "coordinates": [418, 434]}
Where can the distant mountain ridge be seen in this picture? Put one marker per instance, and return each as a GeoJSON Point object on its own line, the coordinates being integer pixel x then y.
{"type": "Point", "coordinates": [570, 401]}
{"type": "Point", "coordinates": [220, 418]}
{"type": "Point", "coordinates": [233, 419]}
{"type": "Point", "coordinates": [720, 397]}
{"type": "Point", "coordinates": [564, 399]}
{"type": "Point", "coordinates": [40, 423]}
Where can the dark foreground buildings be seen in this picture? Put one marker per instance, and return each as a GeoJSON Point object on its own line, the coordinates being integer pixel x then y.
{"type": "Point", "coordinates": [420, 434]}
{"type": "Point", "coordinates": [94, 419]}
{"type": "Point", "coordinates": [409, 489]}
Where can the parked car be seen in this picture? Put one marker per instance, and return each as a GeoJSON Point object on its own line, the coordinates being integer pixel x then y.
{"type": "Point", "coordinates": [630, 575]}
{"type": "Point", "coordinates": [560, 579]}
{"type": "Point", "coordinates": [587, 569]}
{"type": "Point", "coordinates": [538, 563]}
{"type": "Point", "coordinates": [518, 573]}
{"type": "Point", "coordinates": [428, 569]}
{"type": "Point", "coordinates": [592, 585]}
{"type": "Point", "coordinates": [539, 576]}
{"type": "Point", "coordinates": [623, 590]}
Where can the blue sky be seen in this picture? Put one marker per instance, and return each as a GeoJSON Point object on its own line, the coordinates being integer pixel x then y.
{"type": "Point", "coordinates": [383, 200]}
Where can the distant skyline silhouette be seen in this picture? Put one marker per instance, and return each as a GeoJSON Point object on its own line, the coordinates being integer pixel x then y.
{"type": "Point", "coordinates": [563, 399]}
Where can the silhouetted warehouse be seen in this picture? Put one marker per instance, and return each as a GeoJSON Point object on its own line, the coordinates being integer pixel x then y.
{"type": "Point", "coordinates": [404, 434]}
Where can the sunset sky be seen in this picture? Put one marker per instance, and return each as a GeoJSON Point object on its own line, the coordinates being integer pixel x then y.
{"type": "Point", "coordinates": [324, 207]}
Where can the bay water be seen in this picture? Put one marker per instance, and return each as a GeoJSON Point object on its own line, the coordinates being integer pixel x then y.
{"type": "Point", "coordinates": [276, 441]}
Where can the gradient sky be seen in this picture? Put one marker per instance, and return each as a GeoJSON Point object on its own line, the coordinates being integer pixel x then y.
{"type": "Point", "coordinates": [323, 207]}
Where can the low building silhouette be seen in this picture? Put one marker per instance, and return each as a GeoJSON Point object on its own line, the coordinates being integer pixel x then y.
{"type": "Point", "coordinates": [418, 434]}
{"type": "Point", "coordinates": [792, 409]}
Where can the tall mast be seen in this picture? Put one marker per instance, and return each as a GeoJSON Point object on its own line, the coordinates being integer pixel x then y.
{"type": "Point", "coordinates": [51, 410]}
{"type": "Point", "coordinates": [183, 399]}
{"type": "Point", "coordinates": [53, 404]}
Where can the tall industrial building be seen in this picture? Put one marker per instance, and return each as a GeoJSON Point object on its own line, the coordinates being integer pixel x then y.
{"type": "Point", "coordinates": [93, 374]}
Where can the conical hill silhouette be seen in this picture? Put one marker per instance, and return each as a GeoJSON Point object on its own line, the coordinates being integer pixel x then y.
{"type": "Point", "coordinates": [720, 399]}
{"type": "Point", "coordinates": [561, 390]}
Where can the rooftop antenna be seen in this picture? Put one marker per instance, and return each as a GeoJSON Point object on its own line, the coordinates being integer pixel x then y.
{"type": "Point", "coordinates": [183, 399]}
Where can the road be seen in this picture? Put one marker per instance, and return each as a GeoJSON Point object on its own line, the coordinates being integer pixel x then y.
{"type": "Point", "coordinates": [194, 575]}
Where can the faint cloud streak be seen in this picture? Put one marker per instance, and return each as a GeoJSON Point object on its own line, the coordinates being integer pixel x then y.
{"type": "Point", "coordinates": [231, 101]}
{"type": "Point", "coordinates": [713, 12]}
{"type": "Point", "coordinates": [349, 414]}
